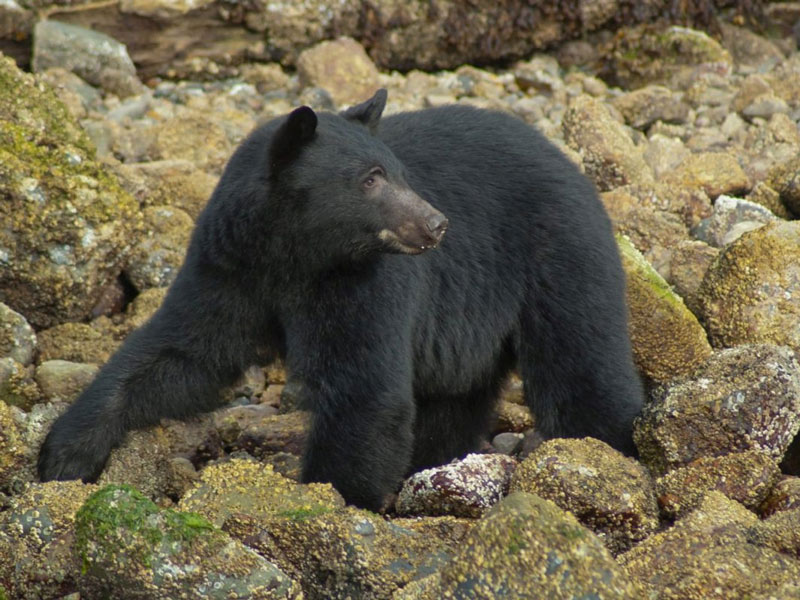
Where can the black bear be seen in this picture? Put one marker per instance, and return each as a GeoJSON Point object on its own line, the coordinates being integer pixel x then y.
{"type": "Point", "coordinates": [318, 246]}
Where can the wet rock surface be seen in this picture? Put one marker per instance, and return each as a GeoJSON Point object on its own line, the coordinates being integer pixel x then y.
{"type": "Point", "coordinates": [691, 137]}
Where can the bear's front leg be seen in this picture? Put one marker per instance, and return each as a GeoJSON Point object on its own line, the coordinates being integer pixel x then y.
{"type": "Point", "coordinates": [357, 382]}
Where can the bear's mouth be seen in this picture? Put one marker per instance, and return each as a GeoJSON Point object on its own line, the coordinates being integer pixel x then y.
{"type": "Point", "coordinates": [410, 244]}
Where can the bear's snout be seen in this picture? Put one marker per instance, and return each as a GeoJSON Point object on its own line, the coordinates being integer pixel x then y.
{"type": "Point", "coordinates": [437, 224]}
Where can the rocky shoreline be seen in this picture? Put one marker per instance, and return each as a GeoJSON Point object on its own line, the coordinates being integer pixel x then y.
{"type": "Point", "coordinates": [693, 142]}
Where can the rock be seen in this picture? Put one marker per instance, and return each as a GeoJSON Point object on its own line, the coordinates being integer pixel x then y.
{"type": "Point", "coordinates": [609, 493]}
{"type": "Point", "coordinates": [176, 183]}
{"type": "Point", "coordinates": [784, 496]}
{"type": "Point", "coordinates": [140, 310]}
{"type": "Point", "coordinates": [751, 293]}
{"type": "Point", "coordinates": [708, 554]}
{"type": "Point", "coordinates": [239, 486]}
{"type": "Point", "coordinates": [770, 199]}
{"type": "Point", "coordinates": [351, 553]}
{"type": "Point", "coordinates": [748, 48]}
{"type": "Point", "coordinates": [526, 543]}
{"type": "Point", "coordinates": [12, 446]}
{"type": "Point", "coordinates": [17, 386]}
{"type": "Point", "coordinates": [266, 434]}
{"type": "Point", "coordinates": [78, 96]}
{"type": "Point", "coordinates": [156, 259]}
{"type": "Point", "coordinates": [784, 178]}
{"type": "Point", "coordinates": [17, 338]}
{"type": "Point", "coordinates": [764, 106]}
{"type": "Point", "coordinates": [76, 342]}
{"type": "Point", "coordinates": [162, 9]}
{"type": "Point", "coordinates": [744, 398]}
{"type": "Point", "coordinates": [51, 183]}
{"type": "Point", "coordinates": [147, 459]}
{"type": "Point", "coordinates": [746, 477]}
{"type": "Point", "coordinates": [667, 339]}
{"type": "Point", "coordinates": [689, 262]}
{"type": "Point", "coordinates": [715, 173]}
{"type": "Point", "coordinates": [341, 67]}
{"type": "Point", "coordinates": [664, 153]}
{"type": "Point", "coordinates": [463, 488]}
{"type": "Point", "coordinates": [129, 547]}
{"type": "Point", "coordinates": [513, 417]}
{"type": "Point", "coordinates": [752, 87]}
{"type": "Point", "coordinates": [507, 442]}
{"type": "Point", "coordinates": [61, 380]}
{"type": "Point", "coordinates": [731, 218]}
{"type": "Point", "coordinates": [649, 54]}
{"type": "Point", "coordinates": [780, 532]}
{"type": "Point", "coordinates": [191, 136]}
{"type": "Point", "coordinates": [643, 107]}
{"type": "Point", "coordinates": [37, 558]}
{"type": "Point", "coordinates": [609, 155]}
{"type": "Point", "coordinates": [690, 205]}
{"type": "Point", "coordinates": [93, 56]}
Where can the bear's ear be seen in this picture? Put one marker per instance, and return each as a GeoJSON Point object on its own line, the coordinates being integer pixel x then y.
{"type": "Point", "coordinates": [369, 112]}
{"type": "Point", "coordinates": [296, 131]}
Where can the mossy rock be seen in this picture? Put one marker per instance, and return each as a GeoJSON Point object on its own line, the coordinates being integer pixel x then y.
{"type": "Point", "coordinates": [68, 221]}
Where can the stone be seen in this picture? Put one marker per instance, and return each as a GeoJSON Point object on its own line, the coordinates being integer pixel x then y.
{"type": "Point", "coordinates": [76, 342]}
{"type": "Point", "coordinates": [689, 262]}
{"type": "Point", "coordinates": [62, 380]}
{"type": "Point", "coordinates": [715, 173]}
{"type": "Point", "coordinates": [69, 223]}
{"type": "Point", "coordinates": [527, 543]}
{"type": "Point", "coordinates": [785, 495]}
{"type": "Point", "coordinates": [128, 546]}
{"type": "Point", "coordinates": [664, 153]}
{"type": "Point", "coordinates": [608, 492]}
{"type": "Point", "coordinates": [17, 338]}
{"type": "Point", "coordinates": [751, 292]}
{"type": "Point", "coordinates": [709, 555]}
{"type": "Point", "coordinates": [744, 398]}
{"type": "Point", "coordinates": [342, 67]}
{"type": "Point", "coordinates": [463, 488]}
{"type": "Point", "coordinates": [93, 56]}
{"type": "Point", "coordinates": [156, 259]}
{"type": "Point", "coordinates": [667, 339]}
{"type": "Point", "coordinates": [643, 107]}
{"type": "Point", "coordinates": [746, 477]}
{"type": "Point", "coordinates": [725, 225]}
{"type": "Point", "coordinates": [609, 155]}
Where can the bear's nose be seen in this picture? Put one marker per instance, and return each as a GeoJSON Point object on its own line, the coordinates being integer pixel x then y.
{"type": "Point", "coordinates": [437, 225]}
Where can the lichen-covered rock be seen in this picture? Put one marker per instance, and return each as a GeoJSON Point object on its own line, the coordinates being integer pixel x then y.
{"type": "Point", "coordinates": [131, 549]}
{"type": "Point", "coordinates": [17, 386]}
{"type": "Point", "coordinates": [732, 217]}
{"type": "Point", "coordinates": [744, 398]}
{"type": "Point", "coordinates": [746, 477]}
{"type": "Point", "coordinates": [527, 547]}
{"type": "Point", "coordinates": [643, 107]}
{"type": "Point", "coordinates": [240, 486]}
{"type": "Point", "coordinates": [191, 136]}
{"type": "Point", "coordinates": [608, 492]}
{"type": "Point", "coordinates": [609, 155]}
{"type": "Point", "coordinates": [156, 259]}
{"type": "Point", "coordinates": [21, 434]}
{"type": "Point", "coordinates": [464, 488]}
{"type": "Point", "coordinates": [654, 54]}
{"type": "Point", "coordinates": [513, 417]}
{"type": "Point", "coordinates": [76, 342]}
{"type": "Point", "coordinates": [69, 224]}
{"type": "Point", "coordinates": [667, 339]}
{"type": "Point", "coordinates": [265, 434]}
{"type": "Point", "coordinates": [62, 380]}
{"type": "Point", "coordinates": [751, 293]}
{"type": "Point", "coordinates": [12, 448]}
{"type": "Point", "coordinates": [690, 205]}
{"type": "Point", "coordinates": [94, 56]}
{"type": "Point", "coordinates": [342, 68]}
{"type": "Point", "coordinates": [146, 459]}
{"type": "Point", "coordinates": [664, 153]}
{"type": "Point", "coordinates": [689, 261]}
{"type": "Point", "coordinates": [785, 495]}
{"type": "Point", "coordinates": [17, 338]}
{"type": "Point", "coordinates": [37, 558]}
{"type": "Point", "coordinates": [784, 178]}
{"type": "Point", "coordinates": [780, 532]}
{"type": "Point", "coordinates": [177, 183]}
{"type": "Point", "coordinates": [349, 553]}
{"type": "Point", "coordinates": [715, 173]}
{"type": "Point", "coordinates": [709, 555]}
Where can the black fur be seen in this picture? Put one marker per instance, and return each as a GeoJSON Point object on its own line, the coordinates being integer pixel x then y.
{"type": "Point", "coordinates": [401, 357]}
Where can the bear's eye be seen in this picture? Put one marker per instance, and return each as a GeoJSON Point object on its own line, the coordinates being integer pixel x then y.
{"type": "Point", "coordinates": [372, 178]}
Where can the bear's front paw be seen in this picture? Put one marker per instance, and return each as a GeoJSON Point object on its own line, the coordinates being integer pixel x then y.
{"type": "Point", "coordinates": [66, 454]}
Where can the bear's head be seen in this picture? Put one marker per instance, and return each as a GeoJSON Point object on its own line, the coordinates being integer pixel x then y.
{"type": "Point", "coordinates": [341, 188]}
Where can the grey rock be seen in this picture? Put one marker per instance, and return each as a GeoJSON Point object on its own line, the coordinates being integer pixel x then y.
{"type": "Point", "coordinates": [93, 56]}
{"type": "Point", "coordinates": [507, 442]}
{"type": "Point", "coordinates": [17, 338]}
{"type": "Point", "coordinates": [155, 260]}
{"type": "Point", "coordinates": [731, 218]}
{"type": "Point", "coordinates": [64, 380]}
